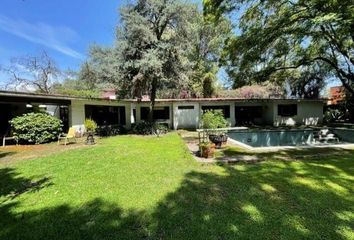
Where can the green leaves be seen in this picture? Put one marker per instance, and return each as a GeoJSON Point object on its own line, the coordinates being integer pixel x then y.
{"type": "Point", "coordinates": [273, 36]}
{"type": "Point", "coordinates": [150, 49]}
{"type": "Point", "coordinates": [36, 128]}
{"type": "Point", "coordinates": [213, 119]}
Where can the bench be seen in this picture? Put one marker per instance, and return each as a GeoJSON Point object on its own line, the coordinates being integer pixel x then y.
{"type": "Point", "coordinates": [4, 139]}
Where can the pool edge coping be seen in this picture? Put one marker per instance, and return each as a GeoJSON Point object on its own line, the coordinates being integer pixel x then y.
{"type": "Point", "coordinates": [343, 146]}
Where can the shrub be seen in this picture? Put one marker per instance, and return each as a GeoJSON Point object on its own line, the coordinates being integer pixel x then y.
{"type": "Point", "coordinates": [36, 128]}
{"type": "Point", "coordinates": [214, 119]}
{"type": "Point", "coordinates": [148, 128]}
{"type": "Point", "coordinates": [110, 130]}
{"type": "Point", "coordinates": [90, 125]}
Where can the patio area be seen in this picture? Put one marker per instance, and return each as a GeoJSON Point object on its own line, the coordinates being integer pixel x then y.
{"type": "Point", "coordinates": [233, 153]}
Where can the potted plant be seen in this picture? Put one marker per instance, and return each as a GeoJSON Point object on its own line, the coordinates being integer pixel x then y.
{"type": "Point", "coordinates": [90, 127]}
{"type": "Point", "coordinates": [207, 149]}
{"type": "Point", "coordinates": [214, 119]}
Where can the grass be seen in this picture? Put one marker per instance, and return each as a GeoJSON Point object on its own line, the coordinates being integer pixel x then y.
{"type": "Point", "coordinates": [132, 187]}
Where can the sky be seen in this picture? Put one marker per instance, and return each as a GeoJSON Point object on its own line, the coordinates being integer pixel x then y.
{"type": "Point", "coordinates": [63, 28]}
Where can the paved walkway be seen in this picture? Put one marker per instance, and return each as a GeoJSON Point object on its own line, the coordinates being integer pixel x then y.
{"type": "Point", "coordinates": [191, 140]}
{"type": "Point", "coordinates": [258, 155]}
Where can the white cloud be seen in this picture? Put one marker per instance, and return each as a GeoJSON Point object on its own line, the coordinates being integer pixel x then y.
{"type": "Point", "coordinates": [55, 37]}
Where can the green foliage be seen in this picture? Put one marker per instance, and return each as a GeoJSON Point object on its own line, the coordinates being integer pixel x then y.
{"type": "Point", "coordinates": [162, 49]}
{"type": "Point", "coordinates": [90, 125]}
{"type": "Point", "coordinates": [150, 51]}
{"type": "Point", "coordinates": [265, 90]}
{"type": "Point", "coordinates": [342, 112]}
{"type": "Point", "coordinates": [207, 42]}
{"type": "Point", "coordinates": [293, 40]}
{"type": "Point", "coordinates": [214, 119]}
{"type": "Point", "coordinates": [110, 130]}
{"type": "Point", "coordinates": [142, 187]}
{"type": "Point", "coordinates": [76, 85]}
{"type": "Point", "coordinates": [149, 128]}
{"type": "Point", "coordinates": [78, 93]}
{"type": "Point", "coordinates": [209, 85]}
{"type": "Point", "coordinates": [206, 144]}
{"type": "Point", "coordinates": [36, 128]}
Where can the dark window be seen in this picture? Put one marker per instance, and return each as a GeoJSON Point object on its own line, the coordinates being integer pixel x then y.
{"type": "Point", "coordinates": [250, 112]}
{"type": "Point", "coordinates": [159, 113]}
{"type": "Point", "coordinates": [185, 107]}
{"type": "Point", "coordinates": [246, 115]}
{"type": "Point", "coordinates": [105, 115]}
{"type": "Point", "coordinates": [224, 108]}
{"type": "Point", "coordinates": [287, 110]}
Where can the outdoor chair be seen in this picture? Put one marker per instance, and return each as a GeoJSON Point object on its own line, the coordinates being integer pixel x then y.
{"type": "Point", "coordinates": [8, 136]}
{"type": "Point", "coordinates": [68, 137]}
{"type": "Point", "coordinates": [326, 136]}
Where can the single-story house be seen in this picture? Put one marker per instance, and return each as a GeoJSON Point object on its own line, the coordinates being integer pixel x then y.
{"type": "Point", "coordinates": [177, 113]}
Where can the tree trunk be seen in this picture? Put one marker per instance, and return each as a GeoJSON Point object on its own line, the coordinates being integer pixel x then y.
{"type": "Point", "coordinates": [152, 100]}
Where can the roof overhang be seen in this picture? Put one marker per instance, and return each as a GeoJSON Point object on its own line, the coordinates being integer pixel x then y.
{"type": "Point", "coordinates": [10, 96]}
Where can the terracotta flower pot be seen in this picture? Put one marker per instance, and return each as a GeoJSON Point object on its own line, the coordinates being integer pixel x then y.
{"type": "Point", "coordinates": [207, 151]}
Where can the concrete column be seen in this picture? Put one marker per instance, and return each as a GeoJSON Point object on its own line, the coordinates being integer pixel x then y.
{"type": "Point", "coordinates": [174, 117]}
{"type": "Point", "coordinates": [232, 114]}
{"type": "Point", "coordinates": [78, 115]}
{"type": "Point", "coordinates": [128, 116]}
{"type": "Point", "coordinates": [132, 107]}
{"type": "Point", "coordinates": [138, 113]}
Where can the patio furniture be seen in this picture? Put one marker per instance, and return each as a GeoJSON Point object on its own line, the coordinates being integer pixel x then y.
{"type": "Point", "coordinates": [8, 136]}
{"type": "Point", "coordinates": [68, 137]}
{"type": "Point", "coordinates": [4, 139]}
{"type": "Point", "coordinates": [324, 135]}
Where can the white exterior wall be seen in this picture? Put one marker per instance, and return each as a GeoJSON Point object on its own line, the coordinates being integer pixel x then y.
{"type": "Point", "coordinates": [189, 116]}
{"type": "Point", "coordinates": [77, 115]}
{"type": "Point", "coordinates": [77, 112]}
{"type": "Point", "coordinates": [309, 113]}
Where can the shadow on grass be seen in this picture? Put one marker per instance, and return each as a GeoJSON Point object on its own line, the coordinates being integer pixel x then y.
{"type": "Point", "coordinates": [13, 185]}
{"type": "Point", "coordinates": [287, 200]}
{"type": "Point", "coordinates": [285, 154]}
{"type": "Point", "coordinates": [5, 154]}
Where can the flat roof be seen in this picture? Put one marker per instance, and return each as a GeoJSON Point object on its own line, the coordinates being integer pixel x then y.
{"type": "Point", "coordinates": [67, 97]}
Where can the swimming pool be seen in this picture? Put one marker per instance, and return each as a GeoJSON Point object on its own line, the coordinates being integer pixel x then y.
{"type": "Point", "coordinates": [287, 137]}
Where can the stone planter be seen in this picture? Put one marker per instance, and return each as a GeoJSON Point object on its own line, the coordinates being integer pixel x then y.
{"type": "Point", "coordinates": [90, 140]}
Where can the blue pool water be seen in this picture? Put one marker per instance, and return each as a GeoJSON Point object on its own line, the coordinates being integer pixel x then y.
{"type": "Point", "coordinates": [285, 137]}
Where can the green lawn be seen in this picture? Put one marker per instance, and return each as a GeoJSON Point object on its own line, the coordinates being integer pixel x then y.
{"type": "Point", "coordinates": [131, 187]}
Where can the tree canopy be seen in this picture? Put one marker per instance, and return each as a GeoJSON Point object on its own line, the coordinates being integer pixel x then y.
{"type": "Point", "coordinates": [150, 50]}
{"type": "Point", "coordinates": [275, 40]}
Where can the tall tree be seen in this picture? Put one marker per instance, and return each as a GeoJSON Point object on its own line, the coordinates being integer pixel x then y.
{"type": "Point", "coordinates": [208, 39]}
{"type": "Point", "coordinates": [88, 76]}
{"type": "Point", "coordinates": [36, 73]}
{"type": "Point", "coordinates": [150, 51]}
{"type": "Point", "coordinates": [273, 36]}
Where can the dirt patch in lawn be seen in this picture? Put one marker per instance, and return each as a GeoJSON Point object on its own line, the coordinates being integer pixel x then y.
{"type": "Point", "coordinates": [13, 153]}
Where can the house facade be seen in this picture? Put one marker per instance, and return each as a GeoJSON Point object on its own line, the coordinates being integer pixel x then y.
{"type": "Point", "coordinates": [176, 113]}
